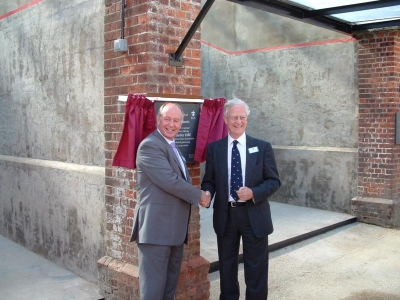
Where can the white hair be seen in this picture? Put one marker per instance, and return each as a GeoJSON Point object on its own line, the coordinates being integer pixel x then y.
{"type": "Point", "coordinates": [233, 102]}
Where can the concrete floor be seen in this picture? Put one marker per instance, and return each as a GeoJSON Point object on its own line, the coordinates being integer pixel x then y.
{"type": "Point", "coordinates": [291, 224]}
{"type": "Point", "coordinates": [353, 262]}
{"type": "Point", "coordinates": [322, 255]}
{"type": "Point", "coordinates": [25, 275]}
{"type": "Point", "coordinates": [315, 254]}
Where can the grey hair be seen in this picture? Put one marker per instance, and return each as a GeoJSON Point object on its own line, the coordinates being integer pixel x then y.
{"type": "Point", "coordinates": [233, 102]}
{"type": "Point", "coordinates": [161, 109]}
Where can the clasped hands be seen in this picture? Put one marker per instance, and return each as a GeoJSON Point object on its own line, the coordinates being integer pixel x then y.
{"type": "Point", "coordinates": [244, 193]}
{"type": "Point", "coordinates": [205, 199]}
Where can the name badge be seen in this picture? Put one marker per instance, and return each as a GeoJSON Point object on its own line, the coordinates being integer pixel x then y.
{"type": "Point", "coordinates": [253, 150]}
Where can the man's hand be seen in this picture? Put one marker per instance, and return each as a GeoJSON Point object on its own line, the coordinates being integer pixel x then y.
{"type": "Point", "coordinates": [245, 193]}
{"type": "Point", "coordinates": [205, 199]}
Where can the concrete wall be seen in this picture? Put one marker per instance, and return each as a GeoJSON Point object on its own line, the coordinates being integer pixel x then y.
{"type": "Point", "coordinates": [303, 100]}
{"type": "Point", "coordinates": [300, 82]}
{"type": "Point", "coordinates": [8, 6]}
{"type": "Point", "coordinates": [51, 130]}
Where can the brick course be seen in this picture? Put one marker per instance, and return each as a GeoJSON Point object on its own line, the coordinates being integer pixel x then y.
{"type": "Point", "coordinates": [375, 211]}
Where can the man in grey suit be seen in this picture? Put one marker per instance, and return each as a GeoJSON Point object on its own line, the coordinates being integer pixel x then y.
{"type": "Point", "coordinates": [165, 196]}
{"type": "Point", "coordinates": [241, 173]}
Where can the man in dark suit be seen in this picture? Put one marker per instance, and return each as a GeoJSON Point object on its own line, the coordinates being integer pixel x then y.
{"type": "Point", "coordinates": [165, 196]}
{"type": "Point", "coordinates": [241, 211]}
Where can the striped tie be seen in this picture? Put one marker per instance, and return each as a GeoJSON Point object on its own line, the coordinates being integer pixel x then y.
{"type": "Point", "coordinates": [236, 171]}
{"type": "Point", "coordinates": [179, 159]}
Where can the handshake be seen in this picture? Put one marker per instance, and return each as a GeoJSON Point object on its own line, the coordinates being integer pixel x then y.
{"type": "Point", "coordinates": [205, 199]}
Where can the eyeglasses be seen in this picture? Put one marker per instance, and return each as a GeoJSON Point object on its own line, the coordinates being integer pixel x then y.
{"type": "Point", "coordinates": [236, 118]}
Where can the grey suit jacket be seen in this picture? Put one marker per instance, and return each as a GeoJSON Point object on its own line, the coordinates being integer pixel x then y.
{"type": "Point", "coordinates": [261, 176]}
{"type": "Point", "coordinates": [163, 195]}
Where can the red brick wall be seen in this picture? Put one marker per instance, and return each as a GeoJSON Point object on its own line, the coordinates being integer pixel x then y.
{"type": "Point", "coordinates": [379, 77]}
{"type": "Point", "coordinates": [153, 29]}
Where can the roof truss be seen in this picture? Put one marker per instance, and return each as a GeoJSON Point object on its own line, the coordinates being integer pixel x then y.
{"type": "Point", "coordinates": [291, 9]}
{"type": "Point", "coordinates": [322, 17]}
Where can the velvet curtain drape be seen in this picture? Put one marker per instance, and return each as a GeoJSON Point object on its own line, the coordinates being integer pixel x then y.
{"type": "Point", "coordinates": [140, 121]}
{"type": "Point", "coordinates": [211, 126]}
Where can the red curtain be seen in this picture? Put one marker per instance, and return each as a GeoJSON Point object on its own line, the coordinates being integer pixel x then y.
{"type": "Point", "coordinates": [211, 126]}
{"type": "Point", "coordinates": [139, 122]}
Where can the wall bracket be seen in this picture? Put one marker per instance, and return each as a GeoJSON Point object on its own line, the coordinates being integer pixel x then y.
{"type": "Point", "coordinates": [175, 58]}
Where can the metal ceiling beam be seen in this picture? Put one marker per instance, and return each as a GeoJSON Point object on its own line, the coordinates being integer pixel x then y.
{"type": "Point", "coordinates": [175, 58]}
{"type": "Point", "coordinates": [294, 12]}
{"type": "Point", "coordinates": [351, 8]}
{"type": "Point", "coordinates": [274, 6]}
{"type": "Point", "coordinates": [320, 17]}
{"type": "Point", "coordinates": [376, 25]}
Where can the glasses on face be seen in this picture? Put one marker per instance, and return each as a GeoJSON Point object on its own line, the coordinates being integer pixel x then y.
{"type": "Point", "coordinates": [236, 118]}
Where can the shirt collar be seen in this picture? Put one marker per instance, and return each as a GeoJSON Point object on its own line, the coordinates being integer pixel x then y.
{"type": "Point", "coordinates": [168, 140]}
{"type": "Point", "coordinates": [241, 139]}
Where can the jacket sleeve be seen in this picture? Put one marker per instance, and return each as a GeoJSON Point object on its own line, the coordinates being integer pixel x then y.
{"type": "Point", "coordinates": [208, 182]}
{"type": "Point", "coordinates": [269, 182]}
{"type": "Point", "coordinates": [155, 161]}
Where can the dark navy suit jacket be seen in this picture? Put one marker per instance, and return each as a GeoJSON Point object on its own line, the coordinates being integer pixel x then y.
{"type": "Point", "coordinates": [261, 176]}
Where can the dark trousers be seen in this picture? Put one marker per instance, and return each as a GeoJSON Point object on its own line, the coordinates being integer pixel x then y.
{"type": "Point", "coordinates": [255, 258]}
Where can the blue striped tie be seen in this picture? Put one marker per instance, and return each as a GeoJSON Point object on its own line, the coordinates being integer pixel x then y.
{"type": "Point", "coordinates": [236, 171]}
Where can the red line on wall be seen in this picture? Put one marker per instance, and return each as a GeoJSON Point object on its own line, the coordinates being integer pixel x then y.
{"type": "Point", "coordinates": [20, 9]}
{"type": "Point", "coordinates": [290, 46]}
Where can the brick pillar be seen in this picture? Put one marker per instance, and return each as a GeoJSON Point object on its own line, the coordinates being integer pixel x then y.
{"type": "Point", "coordinates": [378, 156]}
{"type": "Point", "coordinates": [153, 29]}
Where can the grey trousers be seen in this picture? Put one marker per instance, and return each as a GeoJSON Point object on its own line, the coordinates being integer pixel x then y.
{"type": "Point", "coordinates": [159, 269]}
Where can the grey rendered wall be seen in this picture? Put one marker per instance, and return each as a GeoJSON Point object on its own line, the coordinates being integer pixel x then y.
{"type": "Point", "coordinates": [51, 130]}
{"type": "Point", "coordinates": [303, 99]}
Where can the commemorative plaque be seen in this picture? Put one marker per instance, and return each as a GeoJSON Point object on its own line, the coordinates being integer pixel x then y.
{"type": "Point", "coordinates": [186, 138]}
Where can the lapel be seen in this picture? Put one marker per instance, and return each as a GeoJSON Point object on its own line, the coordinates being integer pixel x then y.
{"type": "Point", "coordinates": [251, 159]}
{"type": "Point", "coordinates": [222, 156]}
{"type": "Point", "coordinates": [185, 173]}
